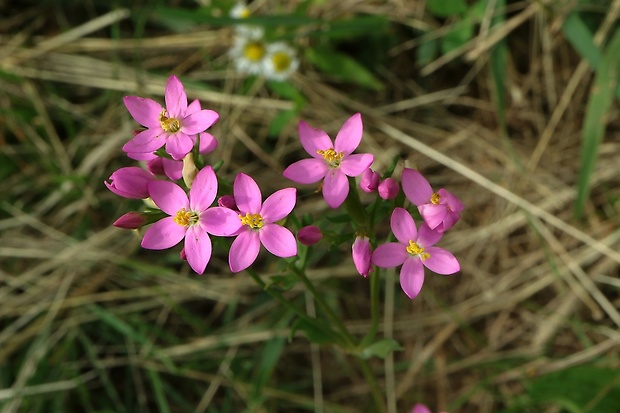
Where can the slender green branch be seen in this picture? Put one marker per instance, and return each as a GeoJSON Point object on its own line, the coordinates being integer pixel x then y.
{"type": "Point", "coordinates": [374, 386]}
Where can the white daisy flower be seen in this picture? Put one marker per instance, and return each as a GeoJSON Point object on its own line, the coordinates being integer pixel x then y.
{"type": "Point", "coordinates": [248, 53]}
{"type": "Point", "coordinates": [280, 61]}
{"type": "Point", "coordinates": [241, 11]}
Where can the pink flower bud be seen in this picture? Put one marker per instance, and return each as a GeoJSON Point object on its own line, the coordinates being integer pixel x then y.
{"type": "Point", "coordinates": [369, 181]}
{"type": "Point", "coordinates": [182, 254]}
{"type": "Point", "coordinates": [156, 166]}
{"type": "Point", "coordinates": [130, 182]}
{"type": "Point", "coordinates": [130, 220]}
{"type": "Point", "coordinates": [309, 235]}
{"type": "Point", "coordinates": [388, 188]}
{"type": "Point", "coordinates": [361, 255]}
{"type": "Point", "coordinates": [227, 201]}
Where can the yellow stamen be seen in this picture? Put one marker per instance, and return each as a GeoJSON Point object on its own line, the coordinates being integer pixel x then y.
{"type": "Point", "coordinates": [254, 51]}
{"type": "Point", "coordinates": [331, 156]}
{"type": "Point", "coordinates": [185, 218]}
{"type": "Point", "coordinates": [171, 125]}
{"type": "Point", "coordinates": [435, 198]}
{"type": "Point", "coordinates": [281, 61]}
{"type": "Point", "coordinates": [415, 250]}
{"type": "Point", "coordinates": [254, 221]}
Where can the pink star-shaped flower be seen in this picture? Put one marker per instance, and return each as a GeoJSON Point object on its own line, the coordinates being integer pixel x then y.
{"type": "Point", "coordinates": [414, 250]}
{"type": "Point", "coordinates": [174, 126]}
{"type": "Point", "coordinates": [254, 223]}
{"type": "Point", "coordinates": [440, 210]}
{"type": "Point", "coordinates": [332, 162]}
{"type": "Point", "coordinates": [190, 218]}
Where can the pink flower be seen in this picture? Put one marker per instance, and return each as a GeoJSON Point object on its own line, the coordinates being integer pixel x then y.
{"type": "Point", "coordinates": [190, 218]}
{"type": "Point", "coordinates": [361, 255]}
{"type": "Point", "coordinates": [331, 162]}
{"type": "Point", "coordinates": [130, 220]}
{"type": "Point", "coordinates": [388, 188]}
{"type": "Point", "coordinates": [174, 126]}
{"type": "Point", "coordinates": [130, 182]}
{"type": "Point", "coordinates": [440, 210]}
{"type": "Point", "coordinates": [254, 223]}
{"type": "Point", "coordinates": [369, 181]}
{"type": "Point", "coordinates": [414, 250]}
{"type": "Point", "coordinates": [420, 408]}
{"type": "Point", "coordinates": [309, 235]}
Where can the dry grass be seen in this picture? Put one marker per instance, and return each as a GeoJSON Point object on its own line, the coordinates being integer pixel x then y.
{"type": "Point", "coordinates": [538, 291]}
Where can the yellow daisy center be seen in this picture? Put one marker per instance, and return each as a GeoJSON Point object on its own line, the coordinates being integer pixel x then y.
{"type": "Point", "coordinates": [331, 156]}
{"type": "Point", "coordinates": [254, 51]}
{"type": "Point", "coordinates": [244, 13]}
{"type": "Point", "coordinates": [254, 221]}
{"type": "Point", "coordinates": [415, 250]}
{"type": "Point", "coordinates": [171, 125]}
{"type": "Point", "coordinates": [281, 61]}
{"type": "Point", "coordinates": [186, 218]}
{"type": "Point", "coordinates": [435, 198]}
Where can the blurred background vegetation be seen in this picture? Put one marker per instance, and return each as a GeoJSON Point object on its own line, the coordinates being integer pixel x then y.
{"type": "Point", "coordinates": [509, 104]}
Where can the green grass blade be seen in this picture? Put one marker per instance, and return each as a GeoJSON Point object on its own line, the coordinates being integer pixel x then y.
{"type": "Point", "coordinates": [597, 111]}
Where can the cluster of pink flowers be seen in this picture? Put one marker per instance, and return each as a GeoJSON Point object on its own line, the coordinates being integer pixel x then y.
{"type": "Point", "coordinates": [172, 136]}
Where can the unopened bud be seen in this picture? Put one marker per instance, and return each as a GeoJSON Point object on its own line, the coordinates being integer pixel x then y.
{"type": "Point", "coordinates": [309, 235]}
{"type": "Point", "coordinates": [369, 181]}
{"type": "Point", "coordinates": [227, 201]}
{"type": "Point", "coordinates": [130, 220]}
{"type": "Point", "coordinates": [189, 170]}
{"type": "Point", "coordinates": [388, 188]}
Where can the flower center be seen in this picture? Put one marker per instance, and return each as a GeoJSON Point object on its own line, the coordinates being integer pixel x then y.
{"type": "Point", "coordinates": [254, 51]}
{"type": "Point", "coordinates": [415, 250]}
{"type": "Point", "coordinates": [254, 221]}
{"type": "Point", "coordinates": [331, 157]}
{"type": "Point", "coordinates": [435, 198]}
{"type": "Point", "coordinates": [281, 61]}
{"type": "Point", "coordinates": [186, 218]}
{"type": "Point", "coordinates": [171, 125]}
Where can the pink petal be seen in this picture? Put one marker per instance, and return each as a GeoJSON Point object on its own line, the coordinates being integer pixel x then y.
{"type": "Point", "coordinates": [197, 248]}
{"type": "Point", "coordinates": [403, 226]}
{"type": "Point", "coordinates": [219, 221]}
{"type": "Point", "coordinates": [389, 255]}
{"type": "Point", "coordinates": [335, 188]}
{"type": "Point", "coordinates": [179, 145]}
{"type": "Point", "coordinates": [142, 156]}
{"type": "Point", "coordinates": [278, 205]}
{"type": "Point", "coordinates": [449, 220]}
{"type": "Point", "coordinates": [145, 111]}
{"type": "Point", "coordinates": [433, 214]}
{"type": "Point", "coordinates": [362, 254]}
{"type": "Point", "coordinates": [146, 141]}
{"type": "Point", "coordinates": [416, 187]}
{"type": "Point", "coordinates": [427, 237]}
{"type": "Point", "coordinates": [247, 194]}
{"type": "Point", "coordinates": [306, 171]}
{"type": "Point", "coordinates": [199, 121]}
{"type": "Point", "coordinates": [420, 408]}
{"type": "Point", "coordinates": [244, 250]}
{"type": "Point", "coordinates": [193, 107]}
{"type": "Point", "coordinates": [313, 140]}
{"type": "Point", "coordinates": [163, 234]}
{"type": "Point", "coordinates": [203, 190]}
{"type": "Point", "coordinates": [173, 169]}
{"type": "Point", "coordinates": [176, 99]}
{"type": "Point", "coordinates": [354, 165]}
{"type": "Point", "coordinates": [412, 277]}
{"type": "Point", "coordinates": [169, 197]}
{"type": "Point", "coordinates": [278, 240]}
{"type": "Point", "coordinates": [350, 135]}
{"type": "Point", "coordinates": [450, 200]}
{"type": "Point", "coordinates": [441, 261]}
{"type": "Point", "coordinates": [207, 143]}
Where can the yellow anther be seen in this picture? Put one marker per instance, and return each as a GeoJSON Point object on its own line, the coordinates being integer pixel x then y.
{"type": "Point", "coordinates": [185, 218]}
{"type": "Point", "coordinates": [331, 156]}
{"type": "Point", "coordinates": [281, 61]}
{"type": "Point", "coordinates": [254, 221]}
{"type": "Point", "coordinates": [254, 51]}
{"type": "Point", "coordinates": [415, 250]}
{"type": "Point", "coordinates": [171, 125]}
{"type": "Point", "coordinates": [435, 198]}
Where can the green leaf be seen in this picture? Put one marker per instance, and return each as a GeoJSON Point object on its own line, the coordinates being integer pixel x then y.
{"type": "Point", "coordinates": [354, 27]}
{"type": "Point", "coordinates": [446, 8]}
{"type": "Point", "coordinates": [597, 113]}
{"type": "Point", "coordinates": [579, 36]}
{"type": "Point", "coordinates": [427, 52]}
{"type": "Point", "coordinates": [460, 34]}
{"type": "Point", "coordinates": [287, 91]}
{"type": "Point", "coordinates": [318, 332]}
{"type": "Point", "coordinates": [280, 121]}
{"type": "Point", "coordinates": [380, 348]}
{"type": "Point", "coordinates": [342, 66]}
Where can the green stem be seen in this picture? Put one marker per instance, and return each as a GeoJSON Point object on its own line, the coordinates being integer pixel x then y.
{"type": "Point", "coordinates": [374, 386]}
{"type": "Point", "coordinates": [375, 285]}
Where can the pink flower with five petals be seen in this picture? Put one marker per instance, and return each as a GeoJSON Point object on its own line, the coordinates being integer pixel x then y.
{"type": "Point", "coordinates": [254, 223]}
{"type": "Point", "coordinates": [332, 162]}
{"type": "Point", "coordinates": [190, 218]}
{"type": "Point", "coordinates": [174, 126]}
{"type": "Point", "coordinates": [414, 250]}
